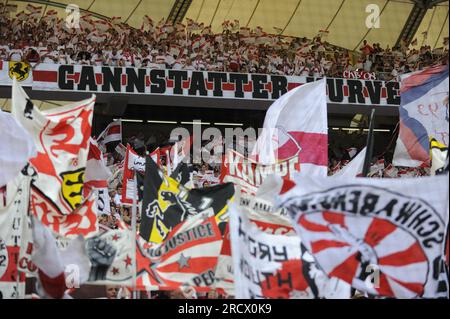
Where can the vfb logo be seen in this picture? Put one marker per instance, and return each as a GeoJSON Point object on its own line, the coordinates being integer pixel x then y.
{"type": "Point", "coordinates": [373, 19]}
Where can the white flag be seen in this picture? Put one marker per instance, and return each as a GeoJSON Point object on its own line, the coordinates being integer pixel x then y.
{"type": "Point", "coordinates": [296, 126]}
{"type": "Point", "coordinates": [385, 237]}
{"type": "Point", "coordinates": [16, 148]}
{"type": "Point", "coordinates": [354, 168]}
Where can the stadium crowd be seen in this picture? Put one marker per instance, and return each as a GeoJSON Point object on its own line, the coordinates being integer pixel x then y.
{"type": "Point", "coordinates": [195, 47]}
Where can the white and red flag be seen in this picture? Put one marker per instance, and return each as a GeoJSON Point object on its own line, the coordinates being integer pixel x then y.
{"type": "Point", "coordinates": [58, 268]}
{"type": "Point", "coordinates": [97, 173]}
{"type": "Point", "coordinates": [62, 137]}
{"type": "Point", "coordinates": [187, 256]}
{"type": "Point", "coordinates": [296, 126]}
{"type": "Point", "coordinates": [385, 237]}
{"type": "Point", "coordinates": [112, 133]}
{"type": "Point", "coordinates": [96, 178]}
{"type": "Point", "coordinates": [133, 163]}
{"type": "Point", "coordinates": [423, 115]}
{"type": "Point", "coordinates": [13, 217]}
{"type": "Point", "coordinates": [268, 265]}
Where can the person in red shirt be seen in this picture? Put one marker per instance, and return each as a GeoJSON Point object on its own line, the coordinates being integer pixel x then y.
{"type": "Point", "coordinates": [366, 49]}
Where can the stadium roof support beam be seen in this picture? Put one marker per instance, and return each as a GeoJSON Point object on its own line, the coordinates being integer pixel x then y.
{"type": "Point", "coordinates": [178, 11]}
{"type": "Point", "coordinates": [427, 4]}
{"type": "Point", "coordinates": [413, 22]}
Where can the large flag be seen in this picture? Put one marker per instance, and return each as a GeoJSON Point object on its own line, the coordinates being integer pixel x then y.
{"type": "Point", "coordinates": [112, 133]}
{"type": "Point", "coordinates": [423, 115]}
{"type": "Point", "coordinates": [188, 255]}
{"type": "Point", "coordinates": [385, 237]}
{"type": "Point", "coordinates": [62, 137]}
{"type": "Point", "coordinates": [12, 220]}
{"type": "Point", "coordinates": [166, 203]}
{"type": "Point", "coordinates": [276, 266]}
{"type": "Point", "coordinates": [247, 174]}
{"type": "Point", "coordinates": [16, 148]}
{"type": "Point", "coordinates": [296, 125]}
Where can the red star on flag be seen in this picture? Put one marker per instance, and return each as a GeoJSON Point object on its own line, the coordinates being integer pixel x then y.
{"type": "Point", "coordinates": [115, 271]}
{"type": "Point", "coordinates": [127, 261]}
{"type": "Point", "coordinates": [115, 237]}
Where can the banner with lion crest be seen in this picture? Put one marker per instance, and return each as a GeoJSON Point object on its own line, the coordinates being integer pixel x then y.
{"type": "Point", "coordinates": [61, 136]}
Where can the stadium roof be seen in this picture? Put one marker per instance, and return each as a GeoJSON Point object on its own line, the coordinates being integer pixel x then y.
{"type": "Point", "coordinates": [344, 19]}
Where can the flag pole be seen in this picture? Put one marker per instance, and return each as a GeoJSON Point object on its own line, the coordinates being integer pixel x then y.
{"type": "Point", "coordinates": [133, 232]}
{"type": "Point", "coordinates": [369, 150]}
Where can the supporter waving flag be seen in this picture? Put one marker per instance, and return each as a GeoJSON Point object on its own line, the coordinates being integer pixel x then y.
{"type": "Point", "coordinates": [385, 237]}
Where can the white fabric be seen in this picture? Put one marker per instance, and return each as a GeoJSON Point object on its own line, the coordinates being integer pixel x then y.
{"type": "Point", "coordinates": [16, 148]}
{"type": "Point", "coordinates": [53, 260]}
{"type": "Point", "coordinates": [396, 225]}
{"type": "Point", "coordinates": [354, 168]}
{"type": "Point", "coordinates": [248, 243]}
{"type": "Point", "coordinates": [303, 109]}
{"type": "Point", "coordinates": [61, 136]}
{"type": "Point", "coordinates": [12, 222]}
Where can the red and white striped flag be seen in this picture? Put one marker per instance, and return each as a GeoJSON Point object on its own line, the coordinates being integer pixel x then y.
{"type": "Point", "coordinates": [96, 177]}
{"type": "Point", "coordinates": [112, 133]}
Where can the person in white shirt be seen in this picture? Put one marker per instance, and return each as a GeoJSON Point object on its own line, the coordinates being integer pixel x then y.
{"type": "Point", "coordinates": [127, 58]}
{"type": "Point", "coordinates": [137, 59]}
{"type": "Point", "coordinates": [161, 59]}
{"type": "Point", "coordinates": [189, 65]}
{"type": "Point", "coordinates": [114, 58]}
{"type": "Point", "coordinates": [170, 60]}
{"type": "Point", "coordinates": [62, 57]}
{"type": "Point", "coordinates": [153, 64]}
{"type": "Point", "coordinates": [198, 64]}
{"type": "Point", "coordinates": [178, 65]}
{"type": "Point", "coordinates": [98, 58]}
{"type": "Point", "coordinates": [118, 197]}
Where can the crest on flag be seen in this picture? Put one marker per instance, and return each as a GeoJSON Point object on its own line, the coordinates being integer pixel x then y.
{"type": "Point", "coordinates": [359, 225]}
{"type": "Point", "coordinates": [62, 137]}
{"type": "Point", "coordinates": [166, 203]}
